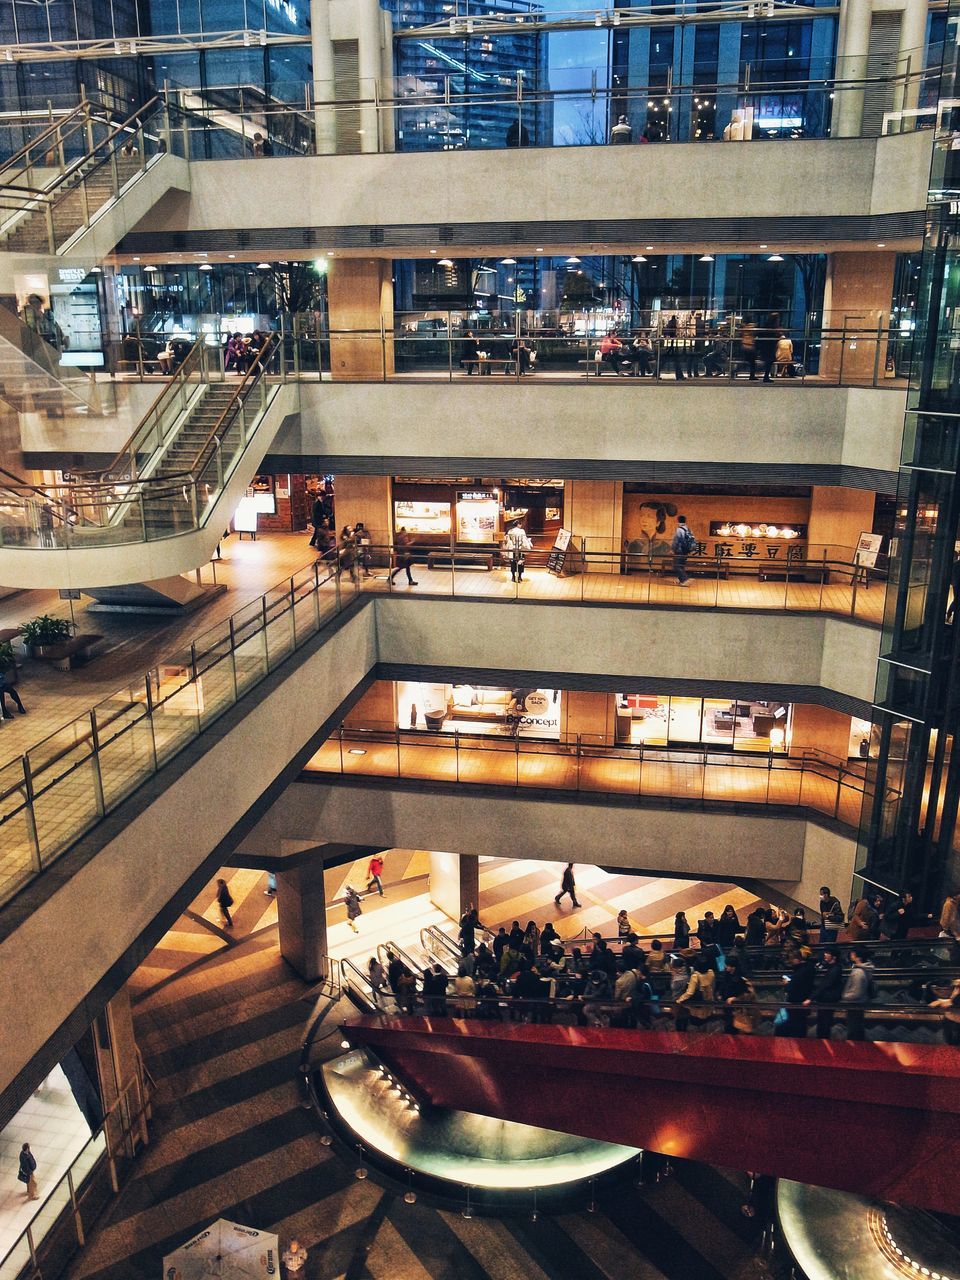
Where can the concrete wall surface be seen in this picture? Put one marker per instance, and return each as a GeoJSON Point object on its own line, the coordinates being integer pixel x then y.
{"type": "Point", "coordinates": [671, 842]}
{"type": "Point", "coordinates": [815, 177]}
{"type": "Point", "coordinates": [600, 420]}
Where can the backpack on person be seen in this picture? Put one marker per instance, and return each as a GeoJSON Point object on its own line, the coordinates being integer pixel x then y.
{"type": "Point", "coordinates": [686, 542]}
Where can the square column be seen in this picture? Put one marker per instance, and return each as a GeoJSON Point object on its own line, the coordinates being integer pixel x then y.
{"type": "Point", "coordinates": [454, 882]}
{"type": "Point", "coordinates": [856, 301]}
{"type": "Point", "coordinates": [360, 308]}
{"type": "Point", "coordinates": [302, 915]}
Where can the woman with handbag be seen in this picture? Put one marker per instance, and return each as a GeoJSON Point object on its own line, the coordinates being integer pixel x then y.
{"type": "Point", "coordinates": [28, 1171]}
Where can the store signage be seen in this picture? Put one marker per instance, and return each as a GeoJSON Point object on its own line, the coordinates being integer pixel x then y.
{"type": "Point", "coordinates": [536, 703]}
{"type": "Point", "coordinates": [478, 495]}
{"type": "Point", "coordinates": [71, 275]}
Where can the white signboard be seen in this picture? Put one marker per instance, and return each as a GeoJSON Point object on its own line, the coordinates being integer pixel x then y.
{"type": "Point", "coordinates": [868, 548]}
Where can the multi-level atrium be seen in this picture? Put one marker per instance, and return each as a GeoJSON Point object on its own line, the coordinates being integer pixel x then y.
{"type": "Point", "coordinates": [479, 543]}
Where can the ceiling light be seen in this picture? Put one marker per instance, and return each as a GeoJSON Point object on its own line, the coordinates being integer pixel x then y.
{"type": "Point", "coordinates": [638, 258]}
{"type": "Point", "coordinates": [649, 247]}
{"type": "Point", "coordinates": [433, 251]}
{"type": "Point", "coordinates": [445, 262]}
{"type": "Point", "coordinates": [320, 266]}
{"type": "Point", "coordinates": [136, 259]}
{"type": "Point", "coordinates": [356, 751]}
{"type": "Point", "coordinates": [231, 255]}
{"type": "Point", "coordinates": [263, 266]}
{"type": "Point", "coordinates": [205, 266]}
{"type": "Point", "coordinates": [539, 251]}
{"type": "Point", "coordinates": [707, 257]}
{"type": "Point", "coordinates": [95, 271]}
{"type": "Point", "coordinates": [763, 246]}
{"type": "Point", "coordinates": [573, 261]}
{"type": "Point", "coordinates": [775, 257]}
{"type": "Point", "coordinates": [881, 244]}
{"type": "Point", "coordinates": [508, 262]}
{"type": "Point", "coordinates": [151, 268]}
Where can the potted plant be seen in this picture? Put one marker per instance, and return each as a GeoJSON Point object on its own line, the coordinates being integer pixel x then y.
{"type": "Point", "coordinates": [43, 633]}
{"type": "Point", "coordinates": [7, 657]}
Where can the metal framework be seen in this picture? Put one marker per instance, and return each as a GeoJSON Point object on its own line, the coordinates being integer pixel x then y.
{"type": "Point", "coordinates": [132, 46]}
{"type": "Point", "coordinates": [579, 20]}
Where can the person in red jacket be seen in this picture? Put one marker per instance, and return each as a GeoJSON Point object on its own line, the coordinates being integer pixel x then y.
{"type": "Point", "coordinates": [374, 872]}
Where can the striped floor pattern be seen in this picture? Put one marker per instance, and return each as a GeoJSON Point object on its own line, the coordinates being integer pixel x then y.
{"type": "Point", "coordinates": [219, 1019]}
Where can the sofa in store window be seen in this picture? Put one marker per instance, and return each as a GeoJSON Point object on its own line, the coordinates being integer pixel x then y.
{"type": "Point", "coordinates": [488, 706]}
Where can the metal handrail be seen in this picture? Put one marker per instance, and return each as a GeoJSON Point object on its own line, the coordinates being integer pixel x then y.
{"type": "Point", "coordinates": [172, 387]}
{"type": "Point", "coordinates": [246, 385]}
{"type": "Point", "coordinates": [50, 193]}
{"type": "Point", "coordinates": [82, 110]}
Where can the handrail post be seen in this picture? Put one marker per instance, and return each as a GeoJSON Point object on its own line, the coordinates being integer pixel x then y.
{"type": "Point", "coordinates": [856, 581]}
{"type": "Point", "coordinates": [48, 212]}
{"type": "Point", "coordinates": [95, 757]}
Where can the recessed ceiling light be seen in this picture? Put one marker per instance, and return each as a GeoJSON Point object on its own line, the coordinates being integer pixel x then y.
{"type": "Point", "coordinates": [763, 246]}
{"type": "Point", "coordinates": [881, 244]}
{"type": "Point", "coordinates": [136, 259]}
{"type": "Point", "coordinates": [539, 251]}
{"type": "Point", "coordinates": [231, 255]}
{"type": "Point", "coordinates": [649, 246]}
{"type": "Point", "coordinates": [356, 751]}
{"type": "Point", "coordinates": [433, 251]}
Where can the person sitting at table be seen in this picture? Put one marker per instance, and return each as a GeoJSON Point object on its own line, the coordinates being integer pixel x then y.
{"type": "Point", "coordinates": [641, 350]}
{"type": "Point", "coordinates": [611, 351]}
{"type": "Point", "coordinates": [521, 354]}
{"type": "Point", "coordinates": [469, 353]}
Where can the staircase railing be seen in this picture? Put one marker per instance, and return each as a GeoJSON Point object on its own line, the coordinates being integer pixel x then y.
{"type": "Point", "coordinates": [126, 507]}
{"type": "Point", "coordinates": [143, 137]}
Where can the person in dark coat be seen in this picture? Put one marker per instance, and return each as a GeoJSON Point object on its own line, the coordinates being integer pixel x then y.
{"type": "Point", "coordinates": [28, 1171]}
{"type": "Point", "coordinates": [756, 927]}
{"type": "Point", "coordinates": [800, 983]}
{"type": "Point", "coordinates": [469, 923]}
{"type": "Point", "coordinates": [568, 885]}
{"type": "Point", "coordinates": [827, 989]}
{"type": "Point", "coordinates": [728, 926]}
{"type": "Point", "coordinates": [681, 932]}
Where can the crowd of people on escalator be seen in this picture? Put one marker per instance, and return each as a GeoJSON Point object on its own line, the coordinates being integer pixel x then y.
{"type": "Point", "coordinates": [703, 976]}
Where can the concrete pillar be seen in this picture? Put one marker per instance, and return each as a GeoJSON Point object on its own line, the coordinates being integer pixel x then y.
{"type": "Point", "coordinates": [821, 729]}
{"type": "Point", "coordinates": [302, 915]}
{"type": "Point", "coordinates": [360, 306]}
{"type": "Point", "coordinates": [857, 298]}
{"type": "Point", "coordinates": [454, 882]}
{"type": "Point", "coordinates": [593, 509]}
{"type": "Point", "coordinates": [591, 715]}
{"type": "Point", "coordinates": [837, 518]}
{"type": "Point", "coordinates": [913, 39]}
{"type": "Point", "coordinates": [366, 498]}
{"type": "Point", "coordinates": [376, 709]}
{"type": "Point", "coordinates": [370, 66]}
{"type": "Point", "coordinates": [852, 54]}
{"type": "Point", "coordinates": [118, 1066]}
{"type": "Point", "coordinates": [321, 53]}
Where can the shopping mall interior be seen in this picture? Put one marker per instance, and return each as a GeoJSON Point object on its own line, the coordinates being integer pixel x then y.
{"type": "Point", "coordinates": [471, 806]}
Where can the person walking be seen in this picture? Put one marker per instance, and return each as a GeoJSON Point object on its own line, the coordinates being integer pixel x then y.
{"type": "Point", "coordinates": [568, 885]}
{"type": "Point", "coordinates": [28, 1171]}
{"type": "Point", "coordinates": [469, 923]}
{"type": "Point", "coordinates": [316, 519]}
{"type": "Point", "coordinates": [374, 873]}
{"type": "Point", "coordinates": [354, 909]}
{"type": "Point", "coordinates": [8, 684]}
{"type": "Point", "coordinates": [224, 902]}
{"type": "Point", "coordinates": [767, 340]}
{"type": "Point", "coordinates": [514, 548]}
{"type": "Point", "coordinates": [831, 915]}
{"type": "Point", "coordinates": [857, 992]}
{"type": "Point", "coordinates": [827, 990]}
{"type": "Point", "coordinates": [683, 545]}
{"type": "Point", "coordinates": [403, 555]}
{"type": "Point", "coordinates": [348, 554]}
{"type": "Point", "coordinates": [294, 1258]}
{"type": "Point", "coordinates": [800, 983]}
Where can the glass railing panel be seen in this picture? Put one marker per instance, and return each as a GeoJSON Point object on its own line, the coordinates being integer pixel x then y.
{"type": "Point", "coordinates": [431, 756]}
{"type": "Point", "coordinates": [613, 769]}
{"type": "Point", "coordinates": [250, 661]}
{"type": "Point", "coordinates": [126, 751]}
{"type": "Point", "coordinates": [21, 858]}
{"type": "Point", "coordinates": [490, 760]}
{"type": "Point", "coordinates": [364, 752]}
{"type": "Point", "coordinates": [216, 689]}
{"type": "Point", "coordinates": [65, 787]}
{"type": "Point", "coordinates": [15, 1265]}
{"type": "Point", "coordinates": [784, 781]}
{"type": "Point", "coordinates": [547, 764]}
{"type": "Point", "coordinates": [671, 774]}
{"type": "Point", "coordinates": [280, 625]}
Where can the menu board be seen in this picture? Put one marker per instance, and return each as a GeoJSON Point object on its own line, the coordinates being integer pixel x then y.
{"type": "Point", "coordinates": [868, 548]}
{"type": "Point", "coordinates": [558, 552]}
{"type": "Point", "coordinates": [478, 517]}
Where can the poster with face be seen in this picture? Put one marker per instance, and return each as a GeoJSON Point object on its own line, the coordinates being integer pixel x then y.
{"type": "Point", "coordinates": [657, 523]}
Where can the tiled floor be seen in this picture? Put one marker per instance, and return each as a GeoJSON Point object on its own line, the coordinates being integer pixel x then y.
{"type": "Point", "coordinates": [54, 1126]}
{"type": "Point", "coordinates": [219, 1021]}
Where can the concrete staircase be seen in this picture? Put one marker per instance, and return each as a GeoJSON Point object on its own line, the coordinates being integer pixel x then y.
{"type": "Point", "coordinates": [93, 181]}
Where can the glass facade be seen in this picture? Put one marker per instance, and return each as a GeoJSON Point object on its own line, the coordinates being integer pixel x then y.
{"type": "Point", "coordinates": [908, 828]}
